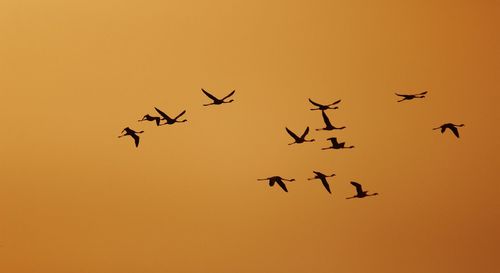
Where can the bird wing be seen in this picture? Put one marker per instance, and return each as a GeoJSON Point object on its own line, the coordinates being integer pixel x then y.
{"type": "Point", "coordinates": [165, 116]}
{"type": "Point", "coordinates": [423, 93]}
{"type": "Point", "coordinates": [136, 139]}
{"type": "Point", "coordinates": [292, 134]}
{"type": "Point", "coordinates": [305, 132]}
{"type": "Point", "coordinates": [282, 185]}
{"type": "Point", "coordinates": [317, 173]}
{"type": "Point", "coordinates": [178, 116]}
{"type": "Point", "coordinates": [401, 95]}
{"type": "Point", "coordinates": [455, 131]}
{"type": "Point", "coordinates": [326, 185]}
{"type": "Point", "coordinates": [359, 188]}
{"type": "Point", "coordinates": [315, 103]}
{"type": "Point", "coordinates": [230, 94]}
{"type": "Point", "coordinates": [326, 119]}
{"type": "Point", "coordinates": [334, 141]}
{"type": "Point", "coordinates": [337, 102]}
{"type": "Point", "coordinates": [209, 95]}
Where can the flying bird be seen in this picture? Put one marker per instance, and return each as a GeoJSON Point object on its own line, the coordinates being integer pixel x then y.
{"type": "Point", "coordinates": [300, 139]}
{"type": "Point", "coordinates": [411, 96]}
{"type": "Point", "coordinates": [169, 120]}
{"type": "Point", "coordinates": [217, 101]}
{"type": "Point", "coordinates": [336, 145]}
{"type": "Point", "coordinates": [322, 177]}
{"type": "Point", "coordinates": [328, 124]}
{"type": "Point", "coordinates": [277, 179]}
{"type": "Point", "coordinates": [360, 193]}
{"type": "Point", "coordinates": [148, 117]}
{"type": "Point", "coordinates": [133, 134]}
{"type": "Point", "coordinates": [324, 107]}
{"type": "Point", "coordinates": [450, 126]}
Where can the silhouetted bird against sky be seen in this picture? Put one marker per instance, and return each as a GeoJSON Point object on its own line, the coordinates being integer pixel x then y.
{"type": "Point", "coordinates": [322, 177]}
{"type": "Point", "coordinates": [452, 127]}
{"type": "Point", "coordinates": [277, 179]}
{"type": "Point", "coordinates": [300, 139]}
{"type": "Point", "coordinates": [169, 120]}
{"type": "Point", "coordinates": [324, 107]}
{"type": "Point", "coordinates": [336, 145]}
{"type": "Point", "coordinates": [133, 134]}
{"type": "Point", "coordinates": [216, 100]}
{"type": "Point", "coordinates": [360, 193]}
{"type": "Point", "coordinates": [151, 118]}
{"type": "Point", "coordinates": [411, 96]}
{"type": "Point", "coordinates": [328, 124]}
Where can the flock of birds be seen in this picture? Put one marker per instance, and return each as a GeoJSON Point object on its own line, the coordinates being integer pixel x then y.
{"type": "Point", "coordinates": [360, 193]}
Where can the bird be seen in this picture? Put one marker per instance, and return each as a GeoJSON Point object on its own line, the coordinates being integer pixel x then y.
{"type": "Point", "coordinates": [277, 179]}
{"type": "Point", "coordinates": [328, 124]}
{"type": "Point", "coordinates": [411, 96]}
{"type": "Point", "coordinates": [300, 139]}
{"type": "Point", "coordinates": [169, 120]}
{"type": "Point", "coordinates": [151, 118]}
{"type": "Point", "coordinates": [360, 193]}
{"type": "Point", "coordinates": [452, 127]}
{"type": "Point", "coordinates": [133, 134]}
{"type": "Point", "coordinates": [322, 177]}
{"type": "Point", "coordinates": [324, 107]}
{"type": "Point", "coordinates": [217, 101]}
{"type": "Point", "coordinates": [336, 145]}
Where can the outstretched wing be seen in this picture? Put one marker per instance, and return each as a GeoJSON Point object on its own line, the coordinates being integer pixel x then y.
{"type": "Point", "coordinates": [315, 103]}
{"type": "Point", "coordinates": [136, 139]}
{"type": "Point", "coordinates": [455, 131]}
{"type": "Point", "coordinates": [326, 119]}
{"type": "Point", "coordinates": [401, 95]}
{"type": "Point", "coordinates": [337, 102]}
{"type": "Point", "coordinates": [230, 94]}
{"type": "Point", "coordinates": [305, 132]}
{"type": "Point", "coordinates": [359, 188]}
{"type": "Point", "coordinates": [282, 185]}
{"type": "Point", "coordinates": [165, 116]}
{"type": "Point", "coordinates": [423, 93]}
{"type": "Point", "coordinates": [326, 185]}
{"type": "Point", "coordinates": [317, 173]}
{"type": "Point", "coordinates": [178, 116]}
{"type": "Point", "coordinates": [334, 141]}
{"type": "Point", "coordinates": [292, 134]}
{"type": "Point", "coordinates": [209, 95]}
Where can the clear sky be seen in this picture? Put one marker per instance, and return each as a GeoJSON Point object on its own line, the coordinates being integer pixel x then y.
{"type": "Point", "coordinates": [76, 199]}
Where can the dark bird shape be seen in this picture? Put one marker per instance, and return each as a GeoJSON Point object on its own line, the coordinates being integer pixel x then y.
{"type": "Point", "coordinates": [360, 193]}
{"type": "Point", "coordinates": [129, 132]}
{"type": "Point", "coordinates": [322, 177]}
{"type": "Point", "coordinates": [169, 120]}
{"type": "Point", "coordinates": [411, 96]}
{"type": "Point", "coordinates": [300, 139]}
{"type": "Point", "coordinates": [277, 179]}
{"type": "Point", "coordinates": [148, 117]}
{"type": "Point", "coordinates": [217, 101]}
{"type": "Point", "coordinates": [328, 124]}
{"type": "Point", "coordinates": [450, 126]}
{"type": "Point", "coordinates": [324, 107]}
{"type": "Point", "coordinates": [336, 145]}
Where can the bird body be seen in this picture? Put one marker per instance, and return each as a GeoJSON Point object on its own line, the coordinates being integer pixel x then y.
{"type": "Point", "coordinates": [169, 120]}
{"type": "Point", "coordinates": [411, 96]}
{"type": "Point", "coordinates": [322, 177]}
{"type": "Point", "coordinates": [450, 126]}
{"type": "Point", "coordinates": [148, 117]}
{"type": "Point", "coordinates": [129, 132]}
{"type": "Point", "coordinates": [277, 179]}
{"type": "Point", "coordinates": [360, 193]}
{"type": "Point", "coordinates": [337, 145]}
{"type": "Point", "coordinates": [297, 139]}
{"type": "Point", "coordinates": [324, 107]}
{"type": "Point", "coordinates": [217, 101]}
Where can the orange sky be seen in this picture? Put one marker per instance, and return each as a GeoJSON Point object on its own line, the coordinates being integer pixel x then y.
{"type": "Point", "coordinates": [75, 199]}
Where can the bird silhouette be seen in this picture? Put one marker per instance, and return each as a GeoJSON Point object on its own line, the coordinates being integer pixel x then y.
{"type": "Point", "coordinates": [336, 145]}
{"type": "Point", "coordinates": [450, 126]}
{"type": "Point", "coordinates": [300, 139]}
{"type": "Point", "coordinates": [360, 193]}
{"type": "Point", "coordinates": [328, 124]}
{"type": "Point", "coordinates": [277, 179]}
{"type": "Point", "coordinates": [217, 101]}
{"type": "Point", "coordinates": [322, 177]}
{"type": "Point", "coordinates": [411, 96]}
{"type": "Point", "coordinates": [169, 120]}
{"type": "Point", "coordinates": [324, 107]}
{"type": "Point", "coordinates": [133, 134]}
{"type": "Point", "coordinates": [148, 117]}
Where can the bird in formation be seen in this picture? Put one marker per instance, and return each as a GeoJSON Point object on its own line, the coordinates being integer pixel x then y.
{"type": "Point", "coordinates": [324, 107]}
{"type": "Point", "coordinates": [360, 193]}
{"type": "Point", "coordinates": [277, 179]}
{"type": "Point", "coordinates": [148, 117]}
{"type": "Point", "coordinates": [301, 139]}
{"type": "Point", "coordinates": [450, 126]}
{"type": "Point", "coordinates": [129, 132]}
{"type": "Point", "coordinates": [411, 96]}
{"type": "Point", "coordinates": [322, 177]}
{"type": "Point", "coordinates": [169, 120]}
{"type": "Point", "coordinates": [328, 124]}
{"type": "Point", "coordinates": [336, 145]}
{"type": "Point", "coordinates": [217, 101]}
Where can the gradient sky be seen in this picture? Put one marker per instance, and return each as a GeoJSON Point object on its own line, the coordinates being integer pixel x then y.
{"type": "Point", "coordinates": [76, 199]}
